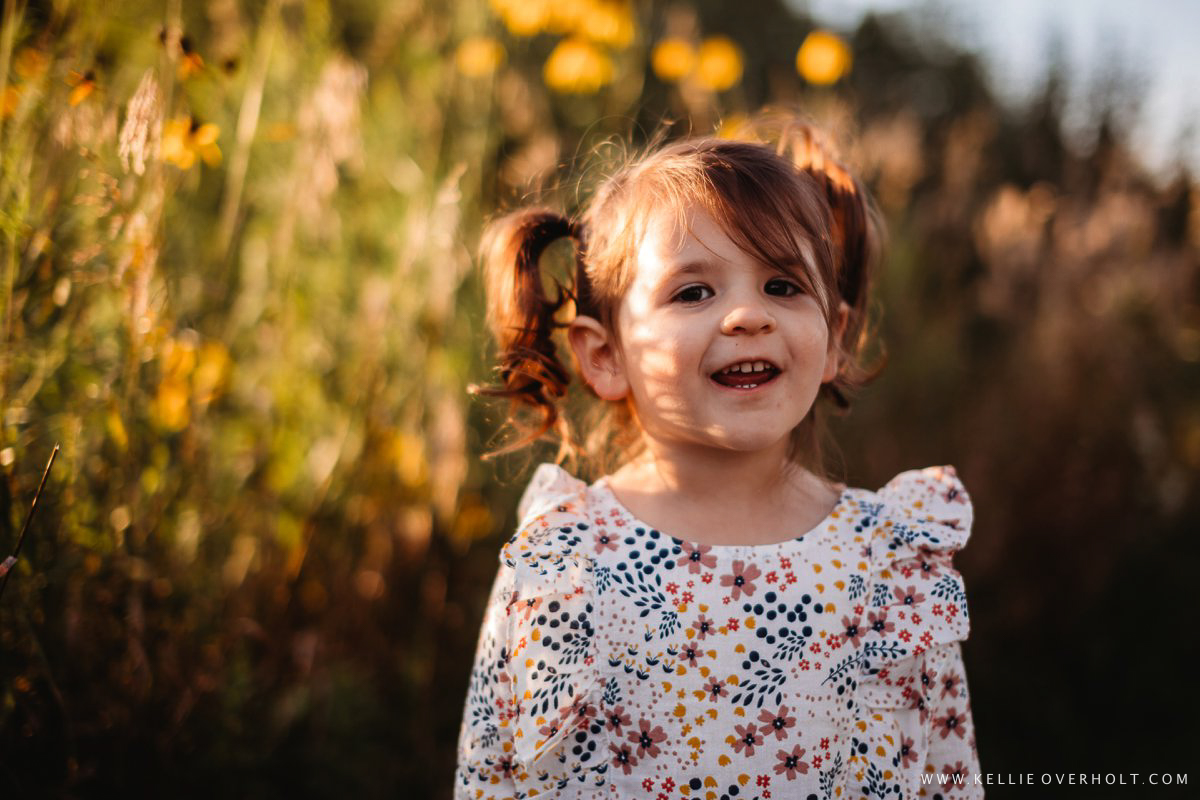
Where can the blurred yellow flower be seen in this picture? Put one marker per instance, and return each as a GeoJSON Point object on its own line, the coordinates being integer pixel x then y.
{"type": "Point", "coordinates": [10, 101]}
{"type": "Point", "coordinates": [524, 17]}
{"type": "Point", "coordinates": [212, 372]}
{"type": "Point", "coordinates": [30, 63]}
{"type": "Point", "coordinates": [577, 66]}
{"type": "Point", "coordinates": [190, 61]}
{"type": "Point", "coordinates": [673, 59]}
{"type": "Point", "coordinates": [609, 22]}
{"type": "Point", "coordinates": [171, 410]}
{"type": "Point", "coordinates": [732, 126]}
{"type": "Point", "coordinates": [823, 58]}
{"type": "Point", "coordinates": [178, 358]}
{"type": "Point", "coordinates": [718, 63]}
{"type": "Point", "coordinates": [83, 84]}
{"type": "Point", "coordinates": [185, 138]}
{"type": "Point", "coordinates": [479, 56]}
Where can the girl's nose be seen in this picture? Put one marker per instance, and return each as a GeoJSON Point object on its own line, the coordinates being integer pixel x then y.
{"type": "Point", "coordinates": [748, 317]}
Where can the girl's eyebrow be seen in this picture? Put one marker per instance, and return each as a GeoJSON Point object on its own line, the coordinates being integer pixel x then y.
{"type": "Point", "coordinates": [685, 268]}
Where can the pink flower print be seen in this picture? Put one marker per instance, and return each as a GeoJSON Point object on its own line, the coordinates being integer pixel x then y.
{"type": "Point", "coordinates": [790, 763]}
{"type": "Point", "coordinates": [697, 556]}
{"type": "Point", "coordinates": [646, 739]}
{"type": "Point", "coordinates": [689, 653]}
{"type": "Point", "coordinates": [623, 757]}
{"type": "Point", "coordinates": [952, 722]}
{"type": "Point", "coordinates": [927, 562]}
{"type": "Point", "coordinates": [909, 596]}
{"type": "Point", "coordinates": [527, 606]}
{"type": "Point", "coordinates": [704, 625]}
{"type": "Point", "coordinates": [950, 685]}
{"type": "Point", "coordinates": [852, 630]}
{"type": "Point", "coordinates": [777, 723]}
{"type": "Point", "coordinates": [880, 623]}
{"type": "Point", "coordinates": [908, 754]}
{"type": "Point", "coordinates": [548, 730]}
{"type": "Point", "coordinates": [748, 738]}
{"type": "Point", "coordinates": [715, 689]}
{"type": "Point", "coordinates": [616, 718]}
{"type": "Point", "coordinates": [958, 774]}
{"type": "Point", "coordinates": [741, 579]}
{"type": "Point", "coordinates": [605, 540]}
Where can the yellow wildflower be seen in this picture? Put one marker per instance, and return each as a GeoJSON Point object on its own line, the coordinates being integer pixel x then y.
{"type": "Point", "coordinates": [673, 59]}
{"type": "Point", "coordinates": [609, 22]}
{"type": "Point", "coordinates": [524, 17]}
{"type": "Point", "coordinates": [171, 407]}
{"type": "Point", "coordinates": [577, 66]}
{"type": "Point", "coordinates": [83, 84]}
{"type": "Point", "coordinates": [10, 101]}
{"type": "Point", "coordinates": [479, 56]}
{"type": "Point", "coordinates": [718, 63]}
{"type": "Point", "coordinates": [823, 58]}
{"type": "Point", "coordinates": [190, 61]}
{"type": "Point", "coordinates": [185, 138]}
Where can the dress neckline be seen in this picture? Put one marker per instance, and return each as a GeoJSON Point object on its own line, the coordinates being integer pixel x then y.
{"type": "Point", "coordinates": [602, 487]}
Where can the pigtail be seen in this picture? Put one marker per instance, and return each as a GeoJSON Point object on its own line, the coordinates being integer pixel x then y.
{"type": "Point", "coordinates": [522, 319]}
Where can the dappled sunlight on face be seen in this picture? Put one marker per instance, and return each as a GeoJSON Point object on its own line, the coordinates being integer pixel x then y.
{"type": "Point", "coordinates": [699, 305]}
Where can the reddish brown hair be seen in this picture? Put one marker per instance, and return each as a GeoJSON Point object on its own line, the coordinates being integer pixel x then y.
{"type": "Point", "coordinates": [796, 213]}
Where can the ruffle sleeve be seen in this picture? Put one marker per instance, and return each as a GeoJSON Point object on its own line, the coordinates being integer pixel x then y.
{"type": "Point", "coordinates": [918, 725]}
{"type": "Point", "coordinates": [558, 731]}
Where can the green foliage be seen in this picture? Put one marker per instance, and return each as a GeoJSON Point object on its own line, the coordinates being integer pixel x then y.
{"type": "Point", "coordinates": [238, 289]}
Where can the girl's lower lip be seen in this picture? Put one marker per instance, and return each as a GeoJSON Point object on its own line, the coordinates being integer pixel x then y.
{"type": "Point", "coordinates": [745, 389]}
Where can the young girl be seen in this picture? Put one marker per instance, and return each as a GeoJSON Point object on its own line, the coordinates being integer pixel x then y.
{"type": "Point", "coordinates": [714, 618]}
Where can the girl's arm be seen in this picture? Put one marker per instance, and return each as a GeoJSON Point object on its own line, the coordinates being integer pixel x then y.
{"type": "Point", "coordinates": [951, 729]}
{"type": "Point", "coordinates": [485, 742]}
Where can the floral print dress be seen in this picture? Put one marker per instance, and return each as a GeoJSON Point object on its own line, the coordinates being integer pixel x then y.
{"type": "Point", "coordinates": [616, 661]}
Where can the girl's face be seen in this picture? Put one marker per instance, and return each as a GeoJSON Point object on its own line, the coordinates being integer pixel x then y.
{"type": "Point", "coordinates": [715, 348]}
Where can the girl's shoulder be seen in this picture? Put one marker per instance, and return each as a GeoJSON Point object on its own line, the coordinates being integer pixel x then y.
{"type": "Point", "coordinates": [925, 508]}
{"type": "Point", "coordinates": [553, 524]}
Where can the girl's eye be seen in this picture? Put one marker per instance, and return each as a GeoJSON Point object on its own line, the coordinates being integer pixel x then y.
{"type": "Point", "coordinates": [693, 294]}
{"type": "Point", "coordinates": [783, 288]}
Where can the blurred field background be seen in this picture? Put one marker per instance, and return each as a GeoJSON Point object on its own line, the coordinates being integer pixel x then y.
{"type": "Point", "coordinates": [237, 285]}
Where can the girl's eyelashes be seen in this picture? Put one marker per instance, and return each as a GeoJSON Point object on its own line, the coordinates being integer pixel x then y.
{"type": "Point", "coordinates": [783, 287]}
{"type": "Point", "coordinates": [693, 294]}
{"type": "Point", "coordinates": [698, 292]}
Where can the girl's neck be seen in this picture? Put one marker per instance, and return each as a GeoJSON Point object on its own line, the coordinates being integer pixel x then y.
{"type": "Point", "coordinates": [722, 497]}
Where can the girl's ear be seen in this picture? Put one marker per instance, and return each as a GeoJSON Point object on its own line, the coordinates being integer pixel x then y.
{"type": "Point", "coordinates": [598, 357]}
{"type": "Point", "coordinates": [833, 355]}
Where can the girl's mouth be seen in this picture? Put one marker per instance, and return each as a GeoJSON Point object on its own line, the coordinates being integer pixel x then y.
{"type": "Point", "coordinates": [746, 374]}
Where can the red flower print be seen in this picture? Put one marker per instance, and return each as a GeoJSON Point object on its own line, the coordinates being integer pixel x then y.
{"type": "Point", "coordinates": [741, 579]}
{"type": "Point", "coordinates": [623, 757]}
{"type": "Point", "coordinates": [772, 577]}
{"type": "Point", "coordinates": [908, 755]}
{"type": "Point", "coordinates": [763, 780]}
{"type": "Point", "coordinates": [668, 784]}
{"type": "Point", "coordinates": [916, 618]}
{"type": "Point", "coordinates": [852, 631]}
{"type": "Point", "coordinates": [616, 719]}
{"type": "Point", "coordinates": [732, 624]}
{"type": "Point", "coordinates": [950, 685]}
{"type": "Point", "coordinates": [704, 625]}
{"type": "Point", "coordinates": [748, 738]}
{"type": "Point", "coordinates": [646, 739]}
{"type": "Point", "coordinates": [790, 577]}
{"type": "Point", "coordinates": [777, 723]}
{"type": "Point", "coordinates": [785, 562]}
{"type": "Point", "coordinates": [790, 763]}
{"type": "Point", "coordinates": [952, 722]}
{"type": "Point", "coordinates": [715, 689]}
{"type": "Point", "coordinates": [672, 587]}
{"type": "Point", "coordinates": [698, 556]}
{"type": "Point", "coordinates": [880, 623]}
{"type": "Point", "coordinates": [817, 761]}
{"type": "Point", "coordinates": [687, 597]}
{"type": "Point", "coordinates": [959, 769]}
{"type": "Point", "coordinates": [706, 577]}
{"type": "Point", "coordinates": [904, 636]}
{"type": "Point", "coordinates": [647, 784]}
{"type": "Point", "coordinates": [909, 596]}
{"type": "Point", "coordinates": [604, 540]}
{"type": "Point", "coordinates": [824, 742]}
